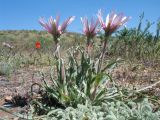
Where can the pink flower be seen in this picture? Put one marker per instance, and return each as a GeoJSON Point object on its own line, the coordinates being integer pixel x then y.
{"type": "Point", "coordinates": [113, 21]}
{"type": "Point", "coordinates": [53, 26]}
{"type": "Point", "coordinates": [90, 29]}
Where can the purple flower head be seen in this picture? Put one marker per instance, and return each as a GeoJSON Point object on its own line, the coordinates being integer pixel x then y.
{"type": "Point", "coordinates": [53, 27]}
{"type": "Point", "coordinates": [90, 29]}
{"type": "Point", "coordinates": [113, 21]}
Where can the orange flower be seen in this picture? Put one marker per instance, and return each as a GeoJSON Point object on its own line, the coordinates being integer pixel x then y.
{"type": "Point", "coordinates": [38, 45]}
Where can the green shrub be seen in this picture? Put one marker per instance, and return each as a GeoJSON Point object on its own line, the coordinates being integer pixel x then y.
{"type": "Point", "coordinates": [5, 68]}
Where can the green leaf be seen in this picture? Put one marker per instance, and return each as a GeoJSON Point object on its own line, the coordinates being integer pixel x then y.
{"type": "Point", "coordinates": [111, 65]}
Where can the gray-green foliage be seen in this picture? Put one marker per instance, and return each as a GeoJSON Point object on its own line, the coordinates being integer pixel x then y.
{"type": "Point", "coordinates": [5, 68]}
{"type": "Point", "coordinates": [108, 111]}
{"type": "Point", "coordinates": [10, 63]}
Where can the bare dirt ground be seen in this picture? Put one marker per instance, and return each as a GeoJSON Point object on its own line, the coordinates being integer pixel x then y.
{"type": "Point", "coordinates": [19, 83]}
{"type": "Point", "coordinates": [21, 80]}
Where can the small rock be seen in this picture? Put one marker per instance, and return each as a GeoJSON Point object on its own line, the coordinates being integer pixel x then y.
{"type": "Point", "coordinates": [8, 99]}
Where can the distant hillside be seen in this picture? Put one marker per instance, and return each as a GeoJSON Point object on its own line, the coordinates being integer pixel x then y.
{"type": "Point", "coordinates": [25, 39]}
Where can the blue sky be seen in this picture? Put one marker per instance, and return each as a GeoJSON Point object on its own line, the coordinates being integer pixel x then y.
{"type": "Point", "coordinates": [24, 14]}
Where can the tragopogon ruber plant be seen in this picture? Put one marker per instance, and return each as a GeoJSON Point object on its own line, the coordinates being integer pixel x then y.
{"type": "Point", "coordinates": [78, 81]}
{"type": "Point", "coordinates": [112, 23]}
{"type": "Point", "coordinates": [90, 30]}
{"type": "Point", "coordinates": [56, 30]}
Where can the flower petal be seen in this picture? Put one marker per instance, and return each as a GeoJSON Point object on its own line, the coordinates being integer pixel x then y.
{"type": "Point", "coordinates": [66, 23]}
{"type": "Point", "coordinates": [99, 15]}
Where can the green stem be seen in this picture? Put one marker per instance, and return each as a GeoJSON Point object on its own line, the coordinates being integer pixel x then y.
{"type": "Point", "coordinates": [57, 49]}
{"type": "Point", "coordinates": [88, 47]}
{"type": "Point", "coordinates": [102, 53]}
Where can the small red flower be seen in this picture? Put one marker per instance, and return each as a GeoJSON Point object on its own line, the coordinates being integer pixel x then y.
{"type": "Point", "coordinates": [38, 45]}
